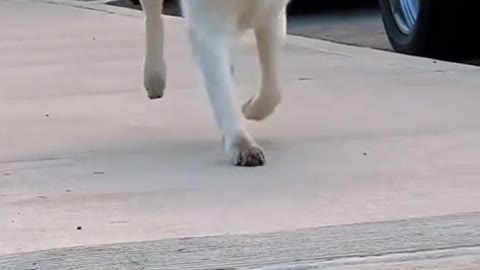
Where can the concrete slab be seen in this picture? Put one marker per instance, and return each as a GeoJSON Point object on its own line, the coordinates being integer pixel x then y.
{"type": "Point", "coordinates": [86, 159]}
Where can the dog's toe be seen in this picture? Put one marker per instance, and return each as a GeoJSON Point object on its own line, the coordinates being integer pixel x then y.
{"type": "Point", "coordinates": [155, 84]}
{"type": "Point", "coordinates": [251, 157]}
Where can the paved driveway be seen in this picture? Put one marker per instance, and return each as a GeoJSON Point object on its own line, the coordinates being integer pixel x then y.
{"type": "Point", "coordinates": [372, 159]}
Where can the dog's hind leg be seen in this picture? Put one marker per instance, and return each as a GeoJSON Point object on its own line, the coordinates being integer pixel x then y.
{"type": "Point", "coordinates": [213, 51]}
{"type": "Point", "coordinates": [270, 37]}
{"type": "Point", "coordinates": [155, 70]}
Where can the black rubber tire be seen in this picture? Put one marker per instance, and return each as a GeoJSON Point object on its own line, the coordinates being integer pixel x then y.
{"type": "Point", "coordinates": [445, 29]}
{"type": "Point", "coordinates": [304, 7]}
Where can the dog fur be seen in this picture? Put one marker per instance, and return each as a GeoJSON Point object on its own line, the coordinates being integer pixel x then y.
{"type": "Point", "coordinates": [213, 27]}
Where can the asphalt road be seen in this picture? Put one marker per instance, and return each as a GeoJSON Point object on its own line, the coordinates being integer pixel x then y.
{"type": "Point", "coordinates": [360, 25]}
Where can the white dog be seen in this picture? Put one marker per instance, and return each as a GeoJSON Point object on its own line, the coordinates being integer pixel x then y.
{"type": "Point", "coordinates": [213, 26]}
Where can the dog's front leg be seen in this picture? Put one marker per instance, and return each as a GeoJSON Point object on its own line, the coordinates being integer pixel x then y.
{"type": "Point", "coordinates": [212, 50]}
{"type": "Point", "coordinates": [155, 70]}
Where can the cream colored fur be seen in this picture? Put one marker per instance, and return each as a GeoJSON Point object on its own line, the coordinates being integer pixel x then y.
{"type": "Point", "coordinates": [213, 27]}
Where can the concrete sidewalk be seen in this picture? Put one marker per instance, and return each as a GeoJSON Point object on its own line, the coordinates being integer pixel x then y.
{"type": "Point", "coordinates": [364, 137]}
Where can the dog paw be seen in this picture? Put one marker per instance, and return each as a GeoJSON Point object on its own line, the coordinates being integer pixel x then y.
{"type": "Point", "coordinates": [155, 84]}
{"type": "Point", "coordinates": [251, 157]}
{"type": "Point", "coordinates": [258, 109]}
{"type": "Point", "coordinates": [245, 152]}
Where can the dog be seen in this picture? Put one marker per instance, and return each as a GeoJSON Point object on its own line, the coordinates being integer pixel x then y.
{"type": "Point", "coordinates": [213, 28]}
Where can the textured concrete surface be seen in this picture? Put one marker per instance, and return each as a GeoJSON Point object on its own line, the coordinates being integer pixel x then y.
{"type": "Point", "coordinates": [441, 243]}
{"type": "Point", "coordinates": [86, 159]}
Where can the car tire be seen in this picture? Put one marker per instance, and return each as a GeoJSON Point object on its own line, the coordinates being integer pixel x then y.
{"type": "Point", "coordinates": [443, 29]}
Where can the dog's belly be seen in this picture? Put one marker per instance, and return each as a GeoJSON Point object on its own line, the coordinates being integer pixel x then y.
{"type": "Point", "coordinates": [239, 15]}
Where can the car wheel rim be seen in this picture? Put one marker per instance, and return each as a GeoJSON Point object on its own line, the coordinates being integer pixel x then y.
{"type": "Point", "coordinates": [405, 13]}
